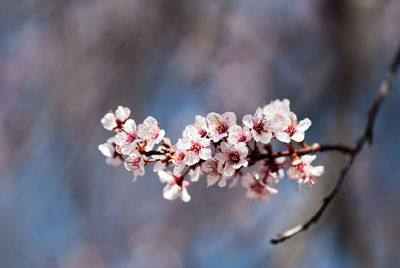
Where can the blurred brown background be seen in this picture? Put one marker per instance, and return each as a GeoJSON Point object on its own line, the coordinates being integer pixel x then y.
{"type": "Point", "coordinates": [65, 63]}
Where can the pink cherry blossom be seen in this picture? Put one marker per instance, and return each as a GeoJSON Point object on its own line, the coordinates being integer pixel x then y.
{"type": "Point", "coordinates": [176, 186]}
{"type": "Point", "coordinates": [179, 157]}
{"type": "Point", "coordinates": [259, 125]}
{"type": "Point", "coordinates": [232, 157]}
{"type": "Point", "coordinates": [302, 170]}
{"type": "Point", "coordinates": [219, 125]}
{"type": "Point", "coordinates": [256, 188]}
{"type": "Point", "coordinates": [273, 177]}
{"type": "Point", "coordinates": [277, 108]}
{"type": "Point", "coordinates": [112, 120]}
{"type": "Point", "coordinates": [135, 163]}
{"type": "Point", "coordinates": [216, 146]}
{"type": "Point", "coordinates": [288, 128]}
{"type": "Point", "coordinates": [201, 126]}
{"type": "Point", "coordinates": [128, 137]}
{"type": "Point", "coordinates": [195, 145]}
{"type": "Point", "coordinates": [214, 170]}
{"type": "Point", "coordinates": [109, 151]}
{"type": "Point", "coordinates": [150, 132]}
{"type": "Point", "coordinates": [271, 171]}
{"type": "Point", "coordinates": [239, 134]}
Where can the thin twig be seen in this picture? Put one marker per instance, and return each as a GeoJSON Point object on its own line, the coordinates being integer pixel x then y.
{"type": "Point", "coordinates": [366, 135]}
{"type": "Point", "coordinates": [316, 147]}
{"type": "Point", "coordinates": [153, 152]}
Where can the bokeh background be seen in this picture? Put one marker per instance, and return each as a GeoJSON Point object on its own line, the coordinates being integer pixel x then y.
{"type": "Point", "coordinates": [63, 64]}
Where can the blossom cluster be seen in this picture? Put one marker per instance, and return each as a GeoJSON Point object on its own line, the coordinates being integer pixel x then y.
{"type": "Point", "coordinates": [217, 146]}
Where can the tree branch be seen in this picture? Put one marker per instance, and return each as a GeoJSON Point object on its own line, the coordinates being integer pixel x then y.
{"type": "Point", "coordinates": [366, 135]}
{"type": "Point", "coordinates": [316, 147]}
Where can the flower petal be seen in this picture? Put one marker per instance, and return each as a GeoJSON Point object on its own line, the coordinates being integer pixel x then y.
{"type": "Point", "coordinates": [106, 149]}
{"type": "Point", "coordinates": [195, 174]}
{"type": "Point", "coordinates": [229, 170]}
{"type": "Point", "coordinates": [265, 137]}
{"type": "Point", "coordinates": [205, 153]}
{"type": "Point", "coordinates": [318, 171]}
{"type": "Point", "coordinates": [248, 121]}
{"type": "Point", "coordinates": [185, 195]}
{"type": "Point", "coordinates": [171, 192]}
{"type": "Point", "coordinates": [164, 176]}
{"type": "Point", "coordinates": [298, 136]}
{"type": "Point", "coordinates": [108, 121]}
{"type": "Point", "coordinates": [283, 136]}
{"type": "Point", "coordinates": [212, 179]}
{"type": "Point", "coordinates": [304, 124]}
{"type": "Point", "coordinates": [122, 113]}
{"type": "Point", "coordinates": [230, 118]}
{"type": "Point", "coordinates": [130, 126]}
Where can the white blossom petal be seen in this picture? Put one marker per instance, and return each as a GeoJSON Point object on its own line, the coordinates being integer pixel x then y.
{"type": "Point", "coordinates": [265, 137]}
{"type": "Point", "coordinates": [185, 195]}
{"type": "Point", "coordinates": [298, 136]}
{"type": "Point", "coordinates": [205, 153]}
{"type": "Point", "coordinates": [106, 149]}
{"type": "Point", "coordinates": [171, 192]}
{"type": "Point", "coordinates": [308, 158]}
{"type": "Point", "coordinates": [230, 118]}
{"type": "Point", "coordinates": [178, 168]}
{"type": "Point", "coordinates": [242, 149]}
{"type": "Point", "coordinates": [108, 121]}
{"type": "Point", "coordinates": [248, 120]}
{"type": "Point", "coordinates": [283, 137]}
{"type": "Point", "coordinates": [318, 171]}
{"type": "Point", "coordinates": [304, 124]}
{"type": "Point", "coordinates": [122, 113]}
{"type": "Point", "coordinates": [130, 126]}
{"type": "Point", "coordinates": [229, 170]}
{"type": "Point", "coordinates": [164, 176]}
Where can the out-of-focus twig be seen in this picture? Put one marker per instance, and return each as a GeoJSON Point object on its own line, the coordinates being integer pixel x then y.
{"type": "Point", "coordinates": [366, 135]}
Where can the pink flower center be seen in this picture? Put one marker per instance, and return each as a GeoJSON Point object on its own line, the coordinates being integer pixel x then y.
{"type": "Point", "coordinates": [242, 138]}
{"type": "Point", "coordinates": [259, 126]}
{"type": "Point", "coordinates": [222, 127]}
{"type": "Point", "coordinates": [131, 137]}
{"type": "Point", "coordinates": [135, 163]}
{"type": "Point", "coordinates": [196, 147]}
{"type": "Point", "coordinates": [178, 180]}
{"type": "Point", "coordinates": [202, 132]}
{"type": "Point", "coordinates": [234, 157]}
{"type": "Point", "coordinates": [300, 167]}
{"type": "Point", "coordinates": [258, 188]}
{"type": "Point", "coordinates": [180, 156]}
{"type": "Point", "coordinates": [291, 129]}
{"type": "Point", "coordinates": [154, 134]}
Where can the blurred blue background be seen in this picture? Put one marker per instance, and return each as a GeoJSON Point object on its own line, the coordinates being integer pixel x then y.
{"type": "Point", "coordinates": [63, 64]}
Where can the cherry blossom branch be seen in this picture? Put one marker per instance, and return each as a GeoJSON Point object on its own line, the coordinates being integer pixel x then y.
{"type": "Point", "coordinates": [366, 135]}
{"type": "Point", "coordinates": [316, 147]}
{"type": "Point", "coordinates": [220, 148]}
